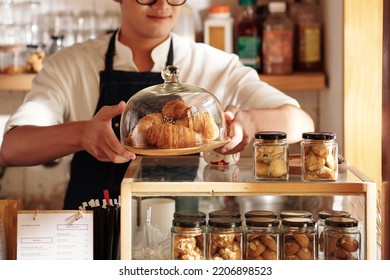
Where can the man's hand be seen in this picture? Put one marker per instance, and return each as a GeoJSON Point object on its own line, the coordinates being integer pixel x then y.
{"type": "Point", "coordinates": [100, 140]}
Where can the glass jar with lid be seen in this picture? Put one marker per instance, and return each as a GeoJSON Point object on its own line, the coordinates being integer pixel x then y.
{"type": "Point", "coordinates": [323, 215]}
{"type": "Point", "coordinates": [299, 239]}
{"type": "Point", "coordinates": [13, 59]}
{"type": "Point", "coordinates": [224, 213]}
{"type": "Point", "coordinates": [172, 119]}
{"type": "Point", "coordinates": [260, 214]}
{"type": "Point", "coordinates": [319, 156]}
{"type": "Point", "coordinates": [295, 213]}
{"type": "Point", "coordinates": [270, 154]}
{"type": "Point", "coordinates": [225, 239]}
{"type": "Point", "coordinates": [191, 214]}
{"type": "Point", "coordinates": [188, 238]}
{"type": "Point", "coordinates": [342, 239]}
{"type": "Point", "coordinates": [262, 239]}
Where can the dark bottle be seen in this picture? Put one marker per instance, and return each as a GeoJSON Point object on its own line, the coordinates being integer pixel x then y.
{"type": "Point", "coordinates": [306, 16]}
{"type": "Point", "coordinates": [57, 43]}
{"type": "Point", "coordinates": [247, 37]}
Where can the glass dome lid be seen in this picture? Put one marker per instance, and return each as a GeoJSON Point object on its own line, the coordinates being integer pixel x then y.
{"type": "Point", "coordinates": [172, 119]}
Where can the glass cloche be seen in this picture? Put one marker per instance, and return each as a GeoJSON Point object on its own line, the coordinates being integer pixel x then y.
{"type": "Point", "coordinates": [172, 119]}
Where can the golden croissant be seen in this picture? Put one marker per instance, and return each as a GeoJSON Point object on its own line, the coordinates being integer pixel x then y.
{"type": "Point", "coordinates": [203, 124]}
{"type": "Point", "coordinates": [137, 136]}
{"type": "Point", "coordinates": [175, 109]}
{"type": "Point", "coordinates": [170, 136]}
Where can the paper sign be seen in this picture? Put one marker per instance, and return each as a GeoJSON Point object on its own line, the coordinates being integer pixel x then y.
{"type": "Point", "coordinates": [55, 235]}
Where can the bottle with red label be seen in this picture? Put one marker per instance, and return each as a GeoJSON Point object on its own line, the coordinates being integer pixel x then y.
{"type": "Point", "coordinates": [278, 31]}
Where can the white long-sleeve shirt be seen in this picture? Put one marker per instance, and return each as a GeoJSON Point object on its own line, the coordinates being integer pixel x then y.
{"type": "Point", "coordinates": [67, 89]}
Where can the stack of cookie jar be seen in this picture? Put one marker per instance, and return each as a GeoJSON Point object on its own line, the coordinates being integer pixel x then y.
{"type": "Point", "coordinates": [319, 156]}
{"type": "Point", "coordinates": [188, 238]}
{"type": "Point", "coordinates": [262, 238]}
{"type": "Point", "coordinates": [299, 239]}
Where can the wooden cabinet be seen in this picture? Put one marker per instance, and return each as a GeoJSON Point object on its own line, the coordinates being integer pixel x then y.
{"type": "Point", "coordinates": [189, 176]}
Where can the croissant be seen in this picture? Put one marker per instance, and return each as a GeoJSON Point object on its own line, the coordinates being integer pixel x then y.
{"type": "Point", "coordinates": [170, 136]}
{"type": "Point", "coordinates": [175, 109]}
{"type": "Point", "coordinates": [205, 124]}
{"type": "Point", "coordinates": [137, 136]}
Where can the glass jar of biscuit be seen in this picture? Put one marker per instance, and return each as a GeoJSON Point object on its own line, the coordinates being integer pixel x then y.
{"type": "Point", "coordinates": [270, 151]}
{"type": "Point", "coordinates": [299, 239]}
{"type": "Point", "coordinates": [342, 239]}
{"type": "Point", "coordinates": [260, 214]}
{"type": "Point", "coordinates": [295, 213]}
{"type": "Point", "coordinates": [224, 213]}
{"type": "Point", "coordinates": [323, 215]}
{"type": "Point", "coordinates": [225, 239]}
{"type": "Point", "coordinates": [262, 239]}
{"type": "Point", "coordinates": [188, 238]}
{"type": "Point", "coordinates": [319, 156]}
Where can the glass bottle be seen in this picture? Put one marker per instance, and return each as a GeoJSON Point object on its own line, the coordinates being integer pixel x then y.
{"type": "Point", "coordinates": [247, 38]}
{"type": "Point", "coordinates": [262, 239]}
{"type": "Point", "coordinates": [342, 239]}
{"type": "Point", "coordinates": [270, 156]}
{"type": "Point", "coordinates": [319, 156]}
{"type": "Point", "coordinates": [188, 238]}
{"type": "Point", "coordinates": [323, 215]}
{"type": "Point", "coordinates": [277, 45]}
{"type": "Point", "coordinates": [57, 43]}
{"type": "Point", "coordinates": [225, 239]}
{"type": "Point", "coordinates": [299, 239]}
{"type": "Point", "coordinates": [218, 28]}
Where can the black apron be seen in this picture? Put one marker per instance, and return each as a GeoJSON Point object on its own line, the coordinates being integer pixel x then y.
{"type": "Point", "coordinates": [88, 176]}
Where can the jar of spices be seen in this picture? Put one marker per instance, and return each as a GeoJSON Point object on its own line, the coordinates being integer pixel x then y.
{"type": "Point", "coordinates": [225, 239]}
{"type": "Point", "coordinates": [262, 239]}
{"type": "Point", "coordinates": [299, 239]}
{"type": "Point", "coordinates": [323, 215]}
{"type": "Point", "coordinates": [188, 238]}
{"type": "Point", "coordinates": [319, 156]}
{"type": "Point", "coordinates": [342, 239]}
{"type": "Point", "coordinates": [270, 151]}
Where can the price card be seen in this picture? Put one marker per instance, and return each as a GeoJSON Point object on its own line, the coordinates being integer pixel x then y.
{"type": "Point", "coordinates": [55, 235]}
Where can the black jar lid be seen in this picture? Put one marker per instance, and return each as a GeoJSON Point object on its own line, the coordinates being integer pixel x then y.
{"type": "Point", "coordinates": [262, 222]}
{"type": "Point", "coordinates": [341, 222]}
{"type": "Point", "coordinates": [295, 213]}
{"type": "Point", "coordinates": [225, 222]}
{"type": "Point", "coordinates": [271, 135]}
{"type": "Point", "coordinates": [319, 135]}
{"type": "Point", "coordinates": [194, 214]}
{"type": "Point", "coordinates": [260, 213]}
{"type": "Point", "coordinates": [188, 222]}
{"type": "Point", "coordinates": [300, 222]}
{"type": "Point", "coordinates": [224, 213]}
{"type": "Point", "coordinates": [333, 213]}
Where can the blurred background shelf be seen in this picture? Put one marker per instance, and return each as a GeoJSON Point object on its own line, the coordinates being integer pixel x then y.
{"type": "Point", "coordinates": [308, 81]}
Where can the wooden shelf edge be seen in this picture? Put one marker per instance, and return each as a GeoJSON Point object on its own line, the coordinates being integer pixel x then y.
{"type": "Point", "coordinates": [302, 82]}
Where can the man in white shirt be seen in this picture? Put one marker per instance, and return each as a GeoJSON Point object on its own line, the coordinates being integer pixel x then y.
{"type": "Point", "coordinates": [76, 101]}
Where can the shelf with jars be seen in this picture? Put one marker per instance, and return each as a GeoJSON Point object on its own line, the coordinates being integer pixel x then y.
{"type": "Point", "coordinates": [296, 82]}
{"type": "Point", "coordinates": [191, 177]}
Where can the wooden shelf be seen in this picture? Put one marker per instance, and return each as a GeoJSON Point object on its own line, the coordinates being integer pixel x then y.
{"type": "Point", "coordinates": [288, 83]}
{"type": "Point", "coordinates": [189, 176]}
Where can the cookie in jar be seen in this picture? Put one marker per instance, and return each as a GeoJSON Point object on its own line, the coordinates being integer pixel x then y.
{"type": "Point", "coordinates": [342, 239]}
{"type": "Point", "coordinates": [188, 236]}
{"type": "Point", "coordinates": [262, 238]}
{"type": "Point", "coordinates": [270, 154]}
{"type": "Point", "coordinates": [319, 156]}
{"type": "Point", "coordinates": [299, 239]}
{"type": "Point", "coordinates": [225, 239]}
